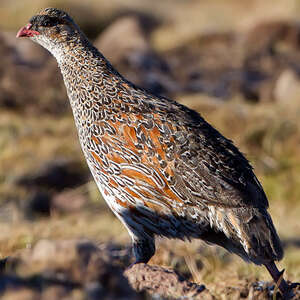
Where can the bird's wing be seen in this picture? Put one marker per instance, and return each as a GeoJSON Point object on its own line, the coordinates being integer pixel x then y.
{"type": "Point", "coordinates": [217, 173]}
{"type": "Point", "coordinates": [163, 152]}
{"type": "Point", "coordinates": [176, 158]}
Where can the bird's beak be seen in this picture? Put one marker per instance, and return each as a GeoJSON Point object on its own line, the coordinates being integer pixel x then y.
{"type": "Point", "coordinates": [27, 32]}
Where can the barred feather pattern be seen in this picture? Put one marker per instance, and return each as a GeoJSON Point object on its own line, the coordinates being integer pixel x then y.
{"type": "Point", "coordinates": [162, 169]}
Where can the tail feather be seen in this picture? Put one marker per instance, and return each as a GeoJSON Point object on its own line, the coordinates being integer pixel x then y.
{"type": "Point", "coordinates": [258, 235]}
{"type": "Point", "coordinates": [248, 232]}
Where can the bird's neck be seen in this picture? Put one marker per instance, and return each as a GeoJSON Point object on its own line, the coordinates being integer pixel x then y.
{"type": "Point", "coordinates": [89, 79]}
{"type": "Point", "coordinates": [79, 62]}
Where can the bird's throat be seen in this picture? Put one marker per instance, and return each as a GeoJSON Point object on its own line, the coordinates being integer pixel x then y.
{"type": "Point", "coordinates": [88, 77]}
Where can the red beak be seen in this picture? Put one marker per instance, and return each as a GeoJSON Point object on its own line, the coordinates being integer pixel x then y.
{"type": "Point", "coordinates": [27, 32]}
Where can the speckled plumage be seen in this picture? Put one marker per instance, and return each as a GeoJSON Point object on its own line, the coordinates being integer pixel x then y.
{"type": "Point", "coordinates": [162, 169]}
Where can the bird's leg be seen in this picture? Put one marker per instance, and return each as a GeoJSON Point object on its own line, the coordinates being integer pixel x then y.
{"type": "Point", "coordinates": [284, 288]}
{"type": "Point", "coordinates": [143, 249]}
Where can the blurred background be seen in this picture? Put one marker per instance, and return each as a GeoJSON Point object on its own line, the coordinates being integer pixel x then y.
{"type": "Point", "coordinates": [236, 62]}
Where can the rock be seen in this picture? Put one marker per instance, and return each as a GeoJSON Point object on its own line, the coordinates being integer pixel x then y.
{"type": "Point", "coordinates": [287, 87]}
{"type": "Point", "coordinates": [68, 201]}
{"type": "Point", "coordinates": [58, 175]}
{"type": "Point", "coordinates": [205, 65]}
{"type": "Point", "coordinates": [43, 202]}
{"type": "Point", "coordinates": [271, 37]}
{"type": "Point", "coordinates": [133, 55]}
{"type": "Point", "coordinates": [115, 47]}
{"type": "Point", "coordinates": [43, 251]}
{"type": "Point", "coordinates": [50, 188]}
{"type": "Point", "coordinates": [164, 282]}
{"type": "Point", "coordinates": [269, 49]}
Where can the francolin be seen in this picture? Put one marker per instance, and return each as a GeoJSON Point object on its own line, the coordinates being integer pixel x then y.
{"type": "Point", "coordinates": [162, 169]}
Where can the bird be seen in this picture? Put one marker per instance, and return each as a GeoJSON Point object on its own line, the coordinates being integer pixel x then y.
{"type": "Point", "coordinates": [162, 169]}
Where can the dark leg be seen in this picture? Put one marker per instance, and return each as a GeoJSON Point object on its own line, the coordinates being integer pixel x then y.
{"type": "Point", "coordinates": [143, 241]}
{"type": "Point", "coordinates": [284, 288]}
{"type": "Point", "coordinates": [143, 250]}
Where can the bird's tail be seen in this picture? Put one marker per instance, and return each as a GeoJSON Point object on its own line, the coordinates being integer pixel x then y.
{"type": "Point", "coordinates": [257, 234]}
{"type": "Point", "coordinates": [248, 232]}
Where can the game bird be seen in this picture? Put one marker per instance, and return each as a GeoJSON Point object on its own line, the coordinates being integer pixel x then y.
{"type": "Point", "coordinates": [162, 169]}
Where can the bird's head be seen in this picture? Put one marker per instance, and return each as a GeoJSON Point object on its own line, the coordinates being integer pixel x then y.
{"type": "Point", "coordinates": [50, 28]}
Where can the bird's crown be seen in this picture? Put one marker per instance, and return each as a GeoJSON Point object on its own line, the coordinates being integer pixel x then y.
{"type": "Point", "coordinates": [50, 17]}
